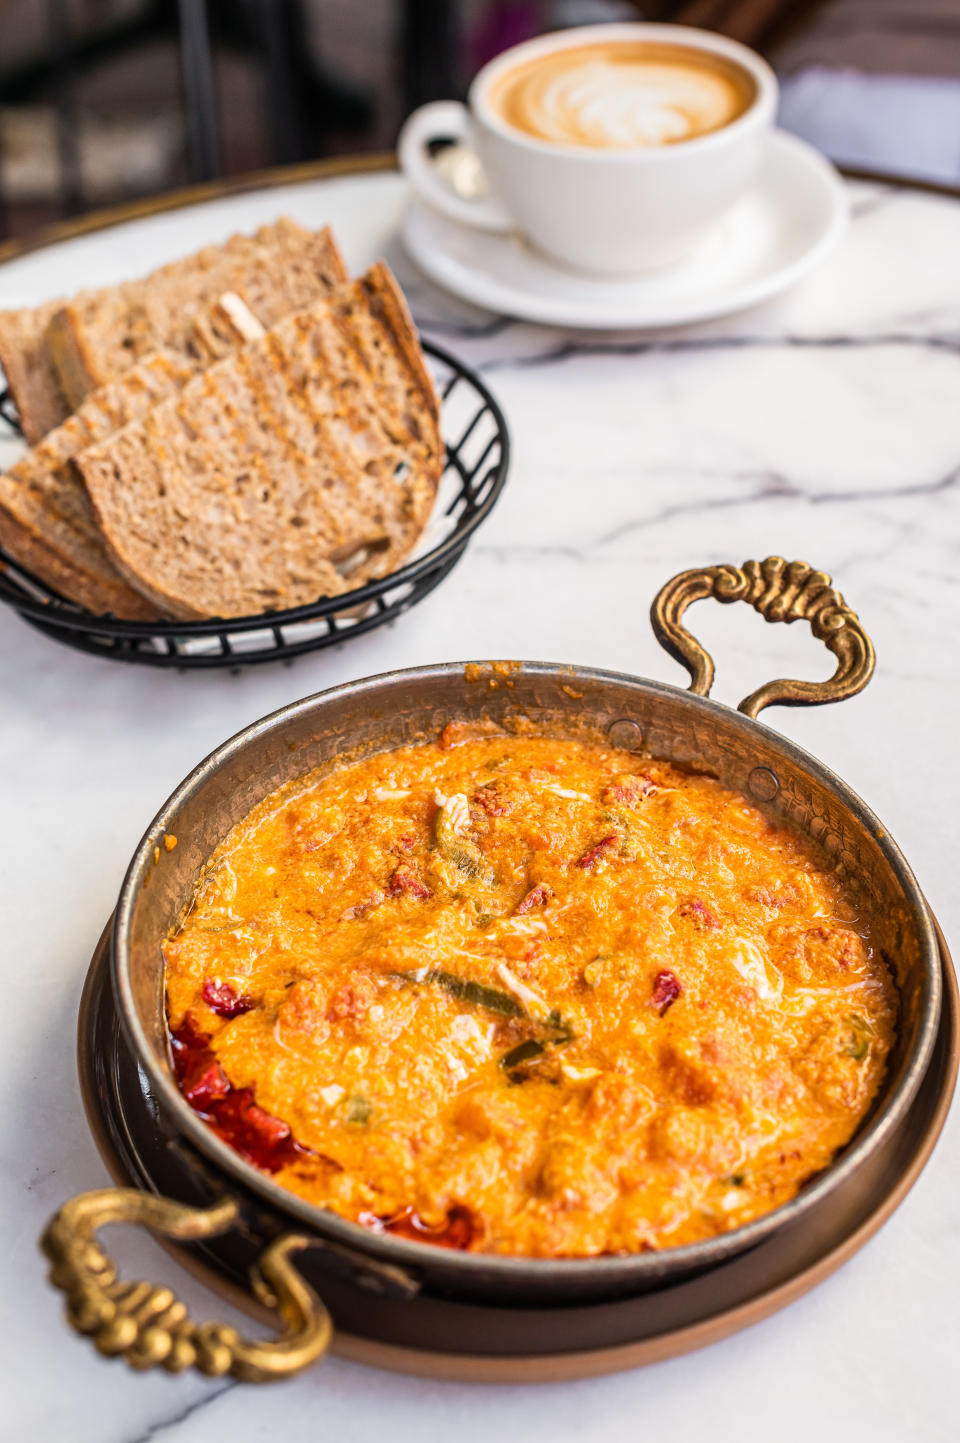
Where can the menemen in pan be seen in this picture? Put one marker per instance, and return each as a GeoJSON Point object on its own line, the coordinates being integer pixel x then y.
{"type": "Point", "coordinates": [527, 995]}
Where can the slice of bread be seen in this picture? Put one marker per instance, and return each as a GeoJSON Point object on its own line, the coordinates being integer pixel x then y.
{"type": "Point", "coordinates": [46, 519]}
{"type": "Point", "coordinates": [29, 370]}
{"type": "Point", "coordinates": [282, 268]}
{"type": "Point", "coordinates": [302, 465]}
{"type": "Point", "coordinates": [55, 354]}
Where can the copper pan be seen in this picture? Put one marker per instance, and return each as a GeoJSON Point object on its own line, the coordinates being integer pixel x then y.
{"type": "Point", "coordinates": [146, 1324]}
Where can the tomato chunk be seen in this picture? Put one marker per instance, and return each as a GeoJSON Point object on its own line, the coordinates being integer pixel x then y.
{"type": "Point", "coordinates": [595, 853]}
{"type": "Point", "coordinates": [254, 1133]}
{"type": "Point", "coordinates": [458, 1230]}
{"type": "Point", "coordinates": [538, 896]}
{"type": "Point", "coordinates": [405, 879]}
{"type": "Point", "coordinates": [666, 990]}
{"type": "Point", "coordinates": [224, 1000]}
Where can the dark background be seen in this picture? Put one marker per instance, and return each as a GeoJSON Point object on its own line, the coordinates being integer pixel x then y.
{"type": "Point", "coordinates": [107, 100]}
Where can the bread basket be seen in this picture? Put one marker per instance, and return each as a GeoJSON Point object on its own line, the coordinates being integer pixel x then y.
{"type": "Point", "coordinates": [477, 442]}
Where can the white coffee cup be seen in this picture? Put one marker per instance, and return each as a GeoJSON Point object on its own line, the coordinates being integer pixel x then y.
{"type": "Point", "coordinates": [609, 211]}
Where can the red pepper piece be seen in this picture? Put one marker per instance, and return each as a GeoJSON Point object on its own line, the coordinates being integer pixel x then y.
{"type": "Point", "coordinates": [204, 1084]}
{"type": "Point", "coordinates": [458, 1230]}
{"type": "Point", "coordinates": [254, 1133]}
{"type": "Point", "coordinates": [538, 896]}
{"type": "Point", "coordinates": [405, 879]}
{"type": "Point", "coordinates": [595, 853]}
{"type": "Point", "coordinates": [349, 1002]}
{"type": "Point", "coordinates": [454, 734]}
{"type": "Point", "coordinates": [666, 990]}
{"type": "Point", "coordinates": [628, 790]}
{"type": "Point", "coordinates": [268, 1130]}
{"type": "Point", "coordinates": [700, 914]}
{"type": "Point", "coordinates": [222, 999]}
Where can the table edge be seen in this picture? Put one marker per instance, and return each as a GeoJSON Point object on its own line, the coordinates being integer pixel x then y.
{"type": "Point", "coordinates": [276, 176]}
{"type": "Point", "coordinates": [188, 195]}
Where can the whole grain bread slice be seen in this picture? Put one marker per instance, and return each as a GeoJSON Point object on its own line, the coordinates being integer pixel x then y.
{"type": "Point", "coordinates": [46, 519]}
{"type": "Point", "coordinates": [47, 523]}
{"type": "Point", "coordinates": [28, 367]}
{"type": "Point", "coordinates": [282, 268]}
{"type": "Point", "coordinates": [302, 465]}
{"type": "Point", "coordinates": [55, 354]}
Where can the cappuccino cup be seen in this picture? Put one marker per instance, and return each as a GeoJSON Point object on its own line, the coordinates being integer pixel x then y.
{"type": "Point", "coordinates": [613, 149]}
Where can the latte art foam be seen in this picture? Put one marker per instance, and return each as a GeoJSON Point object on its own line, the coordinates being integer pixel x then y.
{"type": "Point", "coordinates": [622, 96]}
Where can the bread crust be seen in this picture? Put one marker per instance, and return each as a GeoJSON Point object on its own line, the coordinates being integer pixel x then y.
{"type": "Point", "coordinates": [98, 594]}
{"type": "Point", "coordinates": [71, 359]}
{"type": "Point", "coordinates": [48, 524]}
{"type": "Point", "coordinates": [29, 370]}
{"type": "Point", "coordinates": [381, 285]}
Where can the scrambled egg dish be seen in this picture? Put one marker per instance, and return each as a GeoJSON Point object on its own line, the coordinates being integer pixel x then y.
{"type": "Point", "coordinates": [527, 995]}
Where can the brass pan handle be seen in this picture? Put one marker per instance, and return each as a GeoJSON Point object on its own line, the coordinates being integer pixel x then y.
{"type": "Point", "coordinates": [780, 591]}
{"type": "Point", "coordinates": [148, 1325]}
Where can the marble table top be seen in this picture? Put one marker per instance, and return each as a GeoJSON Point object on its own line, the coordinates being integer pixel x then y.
{"type": "Point", "coordinates": [825, 426]}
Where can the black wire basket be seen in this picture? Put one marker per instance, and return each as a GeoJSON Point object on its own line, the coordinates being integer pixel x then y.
{"type": "Point", "coordinates": [477, 459]}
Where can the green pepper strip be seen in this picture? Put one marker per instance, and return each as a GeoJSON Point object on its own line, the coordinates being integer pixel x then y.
{"type": "Point", "coordinates": [463, 853]}
{"type": "Point", "coordinates": [466, 990]}
{"type": "Point", "coordinates": [358, 1109]}
{"type": "Point", "coordinates": [859, 1045]}
{"type": "Point", "coordinates": [493, 1000]}
{"type": "Point", "coordinates": [523, 1052]}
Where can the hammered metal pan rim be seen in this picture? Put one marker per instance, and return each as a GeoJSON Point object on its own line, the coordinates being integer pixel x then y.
{"type": "Point", "coordinates": [413, 1256]}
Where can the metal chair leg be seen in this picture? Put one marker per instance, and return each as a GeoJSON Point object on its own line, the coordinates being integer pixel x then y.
{"type": "Point", "coordinates": [68, 140]}
{"type": "Point", "coordinates": [203, 135]}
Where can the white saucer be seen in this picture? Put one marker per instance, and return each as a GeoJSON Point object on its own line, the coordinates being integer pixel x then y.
{"type": "Point", "coordinates": [796, 212]}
